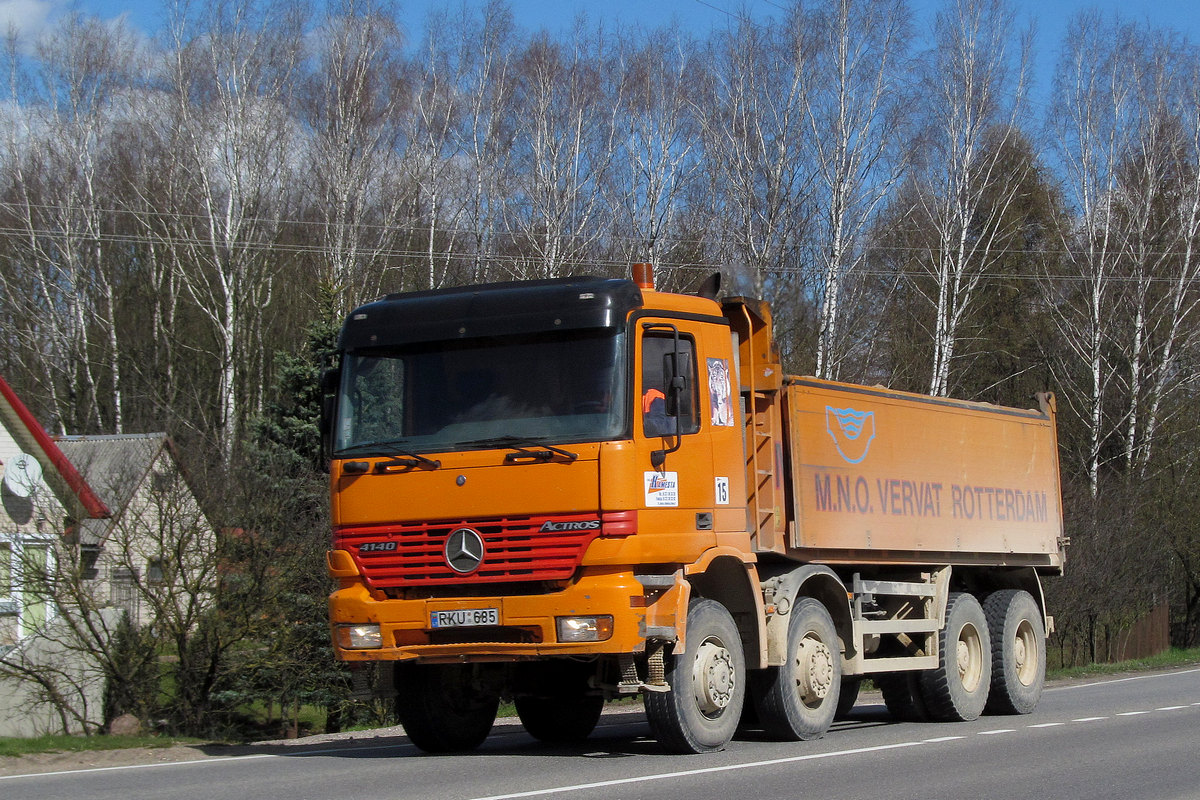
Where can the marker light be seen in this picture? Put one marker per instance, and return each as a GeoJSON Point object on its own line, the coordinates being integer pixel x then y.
{"type": "Point", "coordinates": [359, 637]}
{"type": "Point", "coordinates": [584, 629]}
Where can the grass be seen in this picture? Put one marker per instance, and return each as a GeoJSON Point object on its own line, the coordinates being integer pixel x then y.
{"type": "Point", "coordinates": [1175, 657]}
{"type": "Point", "coordinates": [68, 744]}
{"type": "Point", "coordinates": [59, 743]}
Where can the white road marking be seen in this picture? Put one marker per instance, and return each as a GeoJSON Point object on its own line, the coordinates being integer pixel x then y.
{"type": "Point", "coordinates": [665, 776]}
{"type": "Point", "coordinates": [993, 733]}
{"type": "Point", "coordinates": [216, 760]}
{"type": "Point", "coordinates": [1120, 680]}
{"type": "Point", "coordinates": [1047, 725]}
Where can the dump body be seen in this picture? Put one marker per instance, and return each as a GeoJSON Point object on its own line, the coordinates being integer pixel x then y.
{"type": "Point", "coordinates": [879, 476]}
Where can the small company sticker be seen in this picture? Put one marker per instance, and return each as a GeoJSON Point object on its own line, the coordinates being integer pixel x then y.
{"type": "Point", "coordinates": [662, 489]}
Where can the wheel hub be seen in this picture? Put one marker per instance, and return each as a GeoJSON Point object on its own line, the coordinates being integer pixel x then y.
{"type": "Point", "coordinates": [970, 657]}
{"type": "Point", "coordinates": [1025, 654]}
{"type": "Point", "coordinates": [713, 677]}
{"type": "Point", "coordinates": [813, 670]}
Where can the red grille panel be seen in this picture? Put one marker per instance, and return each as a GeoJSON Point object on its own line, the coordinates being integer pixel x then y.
{"type": "Point", "coordinates": [514, 549]}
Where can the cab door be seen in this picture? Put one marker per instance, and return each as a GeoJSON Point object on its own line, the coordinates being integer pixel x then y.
{"type": "Point", "coordinates": [673, 447]}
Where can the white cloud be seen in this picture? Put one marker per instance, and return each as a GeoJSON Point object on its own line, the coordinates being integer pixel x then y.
{"type": "Point", "coordinates": [27, 18]}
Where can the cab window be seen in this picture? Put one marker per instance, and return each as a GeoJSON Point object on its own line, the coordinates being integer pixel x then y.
{"type": "Point", "coordinates": [660, 362]}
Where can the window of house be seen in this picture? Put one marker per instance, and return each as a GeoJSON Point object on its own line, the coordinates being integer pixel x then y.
{"type": "Point", "coordinates": [154, 570]}
{"type": "Point", "coordinates": [35, 587]}
{"type": "Point", "coordinates": [8, 630]}
{"type": "Point", "coordinates": [6, 588]}
{"type": "Point", "coordinates": [88, 556]}
{"type": "Point", "coordinates": [122, 591]}
{"type": "Point", "coordinates": [162, 481]}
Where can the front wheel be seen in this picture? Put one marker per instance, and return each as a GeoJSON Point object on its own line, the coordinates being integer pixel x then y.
{"type": "Point", "coordinates": [798, 701]}
{"type": "Point", "coordinates": [701, 710]}
{"type": "Point", "coordinates": [555, 704]}
{"type": "Point", "coordinates": [957, 689]}
{"type": "Point", "coordinates": [445, 708]}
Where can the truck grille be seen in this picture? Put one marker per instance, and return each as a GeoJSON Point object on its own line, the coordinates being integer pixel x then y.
{"type": "Point", "coordinates": [542, 548]}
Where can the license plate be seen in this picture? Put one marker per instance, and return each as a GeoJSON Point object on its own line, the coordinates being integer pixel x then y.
{"type": "Point", "coordinates": [465, 618]}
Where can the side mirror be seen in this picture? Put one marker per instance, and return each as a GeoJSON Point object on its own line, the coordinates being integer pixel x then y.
{"type": "Point", "coordinates": [331, 378]}
{"type": "Point", "coordinates": [676, 392]}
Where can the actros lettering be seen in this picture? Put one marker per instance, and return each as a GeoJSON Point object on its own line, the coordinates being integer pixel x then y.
{"type": "Point", "coordinates": [550, 526]}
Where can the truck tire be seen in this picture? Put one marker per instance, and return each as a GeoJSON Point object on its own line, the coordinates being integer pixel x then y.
{"type": "Point", "coordinates": [554, 703]}
{"type": "Point", "coordinates": [957, 690]}
{"type": "Point", "coordinates": [444, 708]}
{"type": "Point", "coordinates": [798, 701]}
{"type": "Point", "coordinates": [1018, 651]}
{"type": "Point", "coordinates": [559, 720]}
{"type": "Point", "coordinates": [848, 697]}
{"type": "Point", "coordinates": [902, 695]}
{"type": "Point", "coordinates": [700, 711]}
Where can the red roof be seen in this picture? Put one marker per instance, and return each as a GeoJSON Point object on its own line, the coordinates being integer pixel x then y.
{"type": "Point", "coordinates": [43, 448]}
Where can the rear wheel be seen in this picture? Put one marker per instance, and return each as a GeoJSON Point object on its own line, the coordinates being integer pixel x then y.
{"type": "Point", "coordinates": [554, 704]}
{"type": "Point", "coordinates": [700, 711]}
{"type": "Point", "coordinates": [957, 689]}
{"type": "Point", "coordinates": [798, 700]}
{"type": "Point", "coordinates": [445, 708]}
{"type": "Point", "coordinates": [1018, 638]}
{"type": "Point", "coordinates": [902, 695]}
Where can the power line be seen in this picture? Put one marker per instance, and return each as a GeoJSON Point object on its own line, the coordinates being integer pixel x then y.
{"type": "Point", "coordinates": [497, 259]}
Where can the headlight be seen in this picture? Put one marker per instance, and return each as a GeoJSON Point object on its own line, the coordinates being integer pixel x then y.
{"type": "Point", "coordinates": [359, 637]}
{"type": "Point", "coordinates": [584, 629]}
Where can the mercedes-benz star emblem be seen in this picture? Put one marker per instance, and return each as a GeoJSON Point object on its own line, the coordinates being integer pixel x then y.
{"type": "Point", "coordinates": [464, 550]}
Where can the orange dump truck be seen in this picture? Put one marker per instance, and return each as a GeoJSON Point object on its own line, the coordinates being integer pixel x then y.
{"type": "Point", "coordinates": [566, 491]}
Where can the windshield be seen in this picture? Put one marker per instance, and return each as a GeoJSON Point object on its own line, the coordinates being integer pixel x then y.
{"type": "Point", "coordinates": [440, 396]}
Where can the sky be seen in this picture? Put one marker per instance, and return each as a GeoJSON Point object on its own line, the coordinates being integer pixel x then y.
{"type": "Point", "coordinates": [701, 15]}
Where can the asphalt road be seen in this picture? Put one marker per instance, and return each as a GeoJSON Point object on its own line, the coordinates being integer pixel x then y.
{"type": "Point", "coordinates": [1128, 737]}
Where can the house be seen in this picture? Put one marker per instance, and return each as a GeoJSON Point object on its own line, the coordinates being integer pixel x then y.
{"type": "Point", "coordinates": [94, 531]}
{"type": "Point", "coordinates": [42, 494]}
{"type": "Point", "coordinates": [156, 533]}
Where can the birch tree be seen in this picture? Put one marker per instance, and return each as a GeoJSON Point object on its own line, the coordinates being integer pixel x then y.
{"type": "Point", "coordinates": [854, 104]}
{"type": "Point", "coordinates": [973, 94]}
{"type": "Point", "coordinates": [563, 141]}
{"type": "Point", "coordinates": [753, 138]}
{"type": "Point", "coordinates": [485, 52]}
{"type": "Point", "coordinates": [659, 150]}
{"type": "Point", "coordinates": [1093, 126]}
{"type": "Point", "coordinates": [231, 82]}
{"type": "Point", "coordinates": [755, 147]}
{"type": "Point", "coordinates": [353, 107]}
{"type": "Point", "coordinates": [59, 198]}
{"type": "Point", "coordinates": [1159, 199]}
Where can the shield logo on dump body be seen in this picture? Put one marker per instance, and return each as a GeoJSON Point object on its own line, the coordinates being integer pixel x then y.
{"type": "Point", "coordinates": [464, 550]}
{"type": "Point", "coordinates": [852, 432]}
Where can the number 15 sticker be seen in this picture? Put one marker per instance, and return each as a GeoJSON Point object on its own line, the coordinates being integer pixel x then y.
{"type": "Point", "coordinates": [722, 491]}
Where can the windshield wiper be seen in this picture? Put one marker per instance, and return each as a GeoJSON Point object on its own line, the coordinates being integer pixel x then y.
{"type": "Point", "coordinates": [522, 444]}
{"type": "Point", "coordinates": [400, 456]}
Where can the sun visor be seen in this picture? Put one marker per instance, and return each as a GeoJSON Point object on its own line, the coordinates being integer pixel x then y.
{"type": "Point", "coordinates": [496, 309]}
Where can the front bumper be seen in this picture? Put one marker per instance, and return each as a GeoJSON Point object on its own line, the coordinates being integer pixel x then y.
{"type": "Point", "coordinates": [526, 628]}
